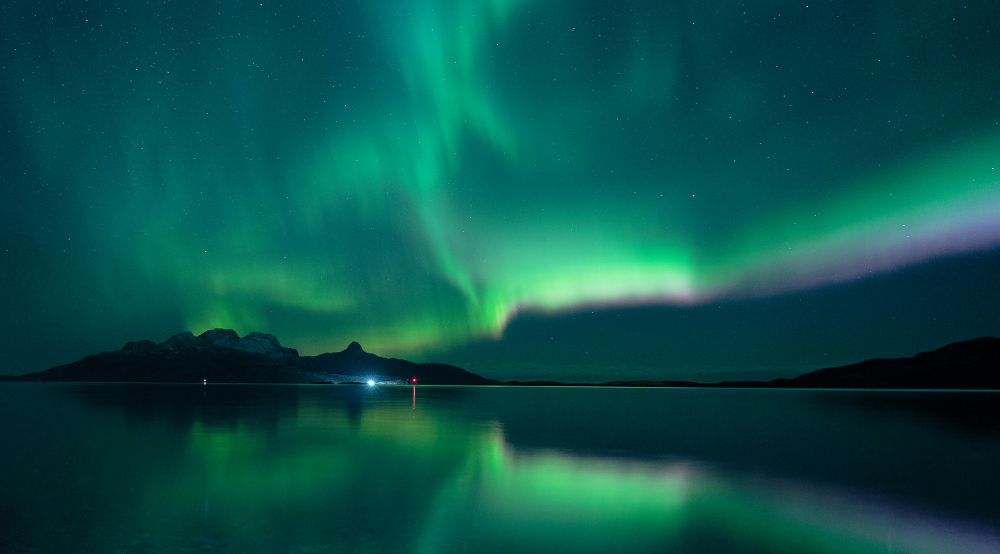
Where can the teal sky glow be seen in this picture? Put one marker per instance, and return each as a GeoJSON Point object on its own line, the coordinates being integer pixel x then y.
{"type": "Point", "coordinates": [419, 174]}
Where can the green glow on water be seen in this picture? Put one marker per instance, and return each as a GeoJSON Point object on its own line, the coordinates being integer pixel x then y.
{"type": "Point", "coordinates": [462, 486]}
{"type": "Point", "coordinates": [265, 469]}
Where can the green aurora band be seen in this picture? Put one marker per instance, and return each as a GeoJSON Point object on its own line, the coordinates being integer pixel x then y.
{"type": "Point", "coordinates": [413, 174]}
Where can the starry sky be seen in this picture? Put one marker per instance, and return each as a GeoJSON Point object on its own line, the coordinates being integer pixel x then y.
{"type": "Point", "coordinates": [531, 189]}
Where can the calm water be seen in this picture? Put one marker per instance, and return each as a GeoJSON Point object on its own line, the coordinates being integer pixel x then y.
{"type": "Point", "coordinates": [175, 468]}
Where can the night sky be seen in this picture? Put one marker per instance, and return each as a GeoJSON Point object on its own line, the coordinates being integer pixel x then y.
{"type": "Point", "coordinates": [572, 190]}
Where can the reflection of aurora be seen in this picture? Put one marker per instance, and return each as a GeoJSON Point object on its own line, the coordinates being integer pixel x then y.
{"type": "Point", "coordinates": [403, 480]}
{"type": "Point", "coordinates": [160, 468]}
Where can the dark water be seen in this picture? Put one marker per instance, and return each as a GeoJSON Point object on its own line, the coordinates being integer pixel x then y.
{"type": "Point", "coordinates": [177, 468]}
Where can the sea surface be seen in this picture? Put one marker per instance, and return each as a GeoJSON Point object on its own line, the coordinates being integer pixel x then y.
{"type": "Point", "coordinates": [325, 468]}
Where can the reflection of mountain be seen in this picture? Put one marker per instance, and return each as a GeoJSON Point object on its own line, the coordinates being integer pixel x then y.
{"type": "Point", "coordinates": [969, 412]}
{"type": "Point", "coordinates": [255, 468]}
{"type": "Point", "coordinates": [221, 355]}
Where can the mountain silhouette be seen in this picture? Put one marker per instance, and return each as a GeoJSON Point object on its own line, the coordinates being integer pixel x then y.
{"type": "Point", "coordinates": [221, 355]}
{"type": "Point", "coordinates": [971, 364]}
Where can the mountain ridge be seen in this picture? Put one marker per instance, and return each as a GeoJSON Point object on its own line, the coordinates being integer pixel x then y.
{"type": "Point", "coordinates": [968, 364]}
{"type": "Point", "coordinates": [221, 355]}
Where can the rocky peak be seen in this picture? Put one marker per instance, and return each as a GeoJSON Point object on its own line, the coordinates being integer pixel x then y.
{"type": "Point", "coordinates": [139, 346]}
{"type": "Point", "coordinates": [255, 343]}
{"type": "Point", "coordinates": [264, 343]}
{"type": "Point", "coordinates": [265, 339]}
{"type": "Point", "coordinates": [354, 348]}
{"type": "Point", "coordinates": [180, 341]}
{"type": "Point", "coordinates": [221, 337]}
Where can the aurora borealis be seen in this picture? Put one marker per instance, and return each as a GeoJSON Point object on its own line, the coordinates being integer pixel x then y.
{"type": "Point", "coordinates": [503, 183]}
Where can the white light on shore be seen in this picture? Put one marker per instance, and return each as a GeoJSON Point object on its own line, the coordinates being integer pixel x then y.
{"type": "Point", "coordinates": [371, 382]}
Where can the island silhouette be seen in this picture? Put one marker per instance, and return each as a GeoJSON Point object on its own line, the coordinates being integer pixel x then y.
{"type": "Point", "coordinates": [222, 356]}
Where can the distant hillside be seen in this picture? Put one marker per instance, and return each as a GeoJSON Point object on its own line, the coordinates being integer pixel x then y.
{"type": "Point", "coordinates": [221, 355]}
{"type": "Point", "coordinates": [971, 364]}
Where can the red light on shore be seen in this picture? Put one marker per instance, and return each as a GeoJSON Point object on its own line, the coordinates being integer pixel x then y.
{"type": "Point", "coordinates": [413, 380]}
